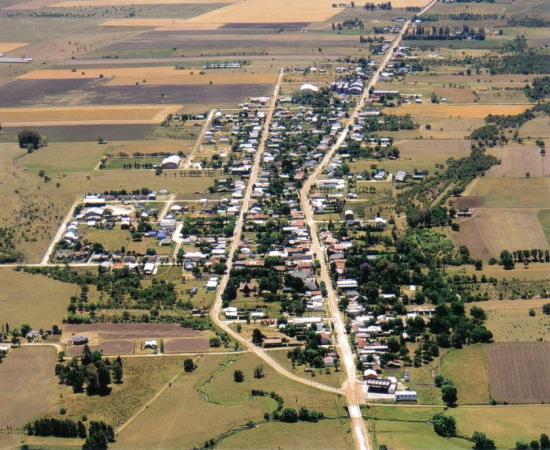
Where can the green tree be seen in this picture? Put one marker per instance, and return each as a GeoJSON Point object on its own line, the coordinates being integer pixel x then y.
{"type": "Point", "coordinates": [30, 139]}
{"type": "Point", "coordinates": [257, 336]}
{"type": "Point", "coordinates": [482, 442]}
{"type": "Point", "coordinates": [444, 425]}
{"type": "Point", "coordinates": [188, 365]}
{"type": "Point", "coordinates": [449, 393]}
{"type": "Point", "coordinates": [238, 376]}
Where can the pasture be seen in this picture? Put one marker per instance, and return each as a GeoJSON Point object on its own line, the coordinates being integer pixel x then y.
{"type": "Point", "coordinates": [504, 424]}
{"type": "Point", "coordinates": [468, 370]}
{"type": "Point", "coordinates": [34, 299]}
{"type": "Point", "coordinates": [143, 378]}
{"type": "Point", "coordinates": [413, 435]}
{"type": "Point", "coordinates": [492, 230]}
{"type": "Point", "coordinates": [518, 372]}
{"type": "Point", "coordinates": [517, 161]}
{"type": "Point", "coordinates": [29, 386]}
{"type": "Point", "coordinates": [328, 434]}
{"type": "Point", "coordinates": [509, 320]}
{"type": "Point", "coordinates": [513, 192]}
{"type": "Point", "coordinates": [207, 404]}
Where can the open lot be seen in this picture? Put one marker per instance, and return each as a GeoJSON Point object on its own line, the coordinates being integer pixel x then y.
{"type": "Point", "coordinates": [34, 299]}
{"type": "Point", "coordinates": [518, 372]}
{"type": "Point", "coordinates": [30, 387]}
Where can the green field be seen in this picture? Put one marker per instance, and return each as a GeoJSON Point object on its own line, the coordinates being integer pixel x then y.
{"type": "Point", "coordinates": [34, 299]}
{"type": "Point", "coordinates": [504, 424]}
{"type": "Point", "coordinates": [208, 404]}
{"type": "Point", "coordinates": [468, 370]}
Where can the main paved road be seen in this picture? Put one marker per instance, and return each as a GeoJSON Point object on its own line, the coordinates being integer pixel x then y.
{"type": "Point", "coordinates": [352, 387]}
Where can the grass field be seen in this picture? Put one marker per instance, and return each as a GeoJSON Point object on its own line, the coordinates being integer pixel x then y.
{"type": "Point", "coordinates": [207, 403]}
{"type": "Point", "coordinates": [39, 301]}
{"type": "Point", "coordinates": [325, 435]}
{"type": "Point", "coordinates": [468, 370]}
{"type": "Point", "coordinates": [504, 424]}
{"type": "Point", "coordinates": [473, 110]}
{"type": "Point", "coordinates": [163, 75]}
{"type": "Point", "coordinates": [509, 320]}
{"type": "Point", "coordinates": [544, 221]}
{"type": "Point", "coordinates": [533, 272]}
{"type": "Point", "coordinates": [65, 157]}
{"type": "Point", "coordinates": [29, 386]}
{"type": "Point", "coordinates": [89, 115]}
{"type": "Point", "coordinates": [412, 436]}
{"type": "Point", "coordinates": [517, 161]}
{"type": "Point", "coordinates": [143, 377]}
{"type": "Point", "coordinates": [113, 240]}
{"type": "Point", "coordinates": [513, 192]}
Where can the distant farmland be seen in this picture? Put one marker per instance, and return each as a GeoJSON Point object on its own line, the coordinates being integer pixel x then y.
{"type": "Point", "coordinates": [518, 372]}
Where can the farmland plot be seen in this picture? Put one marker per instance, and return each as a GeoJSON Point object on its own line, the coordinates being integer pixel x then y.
{"type": "Point", "coordinates": [518, 372]}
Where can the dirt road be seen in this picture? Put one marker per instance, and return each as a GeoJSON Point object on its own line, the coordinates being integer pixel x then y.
{"type": "Point", "coordinates": [352, 387]}
{"type": "Point", "coordinates": [216, 308]}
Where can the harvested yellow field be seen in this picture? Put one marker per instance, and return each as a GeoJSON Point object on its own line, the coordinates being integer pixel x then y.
{"type": "Point", "coordinates": [91, 115]}
{"type": "Point", "coordinates": [9, 46]}
{"type": "Point", "coordinates": [102, 3]}
{"type": "Point", "coordinates": [246, 11]}
{"type": "Point", "coordinates": [474, 111]}
{"type": "Point", "coordinates": [129, 76]}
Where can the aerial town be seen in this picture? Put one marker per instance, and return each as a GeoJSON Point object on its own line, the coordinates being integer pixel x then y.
{"type": "Point", "coordinates": [275, 224]}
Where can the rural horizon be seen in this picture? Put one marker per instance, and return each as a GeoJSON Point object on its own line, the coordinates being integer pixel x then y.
{"type": "Point", "coordinates": [275, 224]}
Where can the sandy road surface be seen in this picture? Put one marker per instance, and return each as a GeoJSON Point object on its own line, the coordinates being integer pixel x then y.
{"type": "Point", "coordinates": [352, 387]}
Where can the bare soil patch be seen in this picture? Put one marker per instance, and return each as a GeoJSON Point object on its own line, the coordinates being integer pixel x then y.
{"type": "Point", "coordinates": [518, 372]}
{"type": "Point", "coordinates": [469, 201]}
{"type": "Point", "coordinates": [6, 47]}
{"type": "Point", "coordinates": [187, 345]}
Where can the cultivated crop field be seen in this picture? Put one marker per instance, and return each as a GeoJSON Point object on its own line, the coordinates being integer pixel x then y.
{"type": "Point", "coordinates": [468, 111]}
{"type": "Point", "coordinates": [91, 115]}
{"type": "Point", "coordinates": [518, 372]}
{"type": "Point", "coordinates": [163, 75]}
